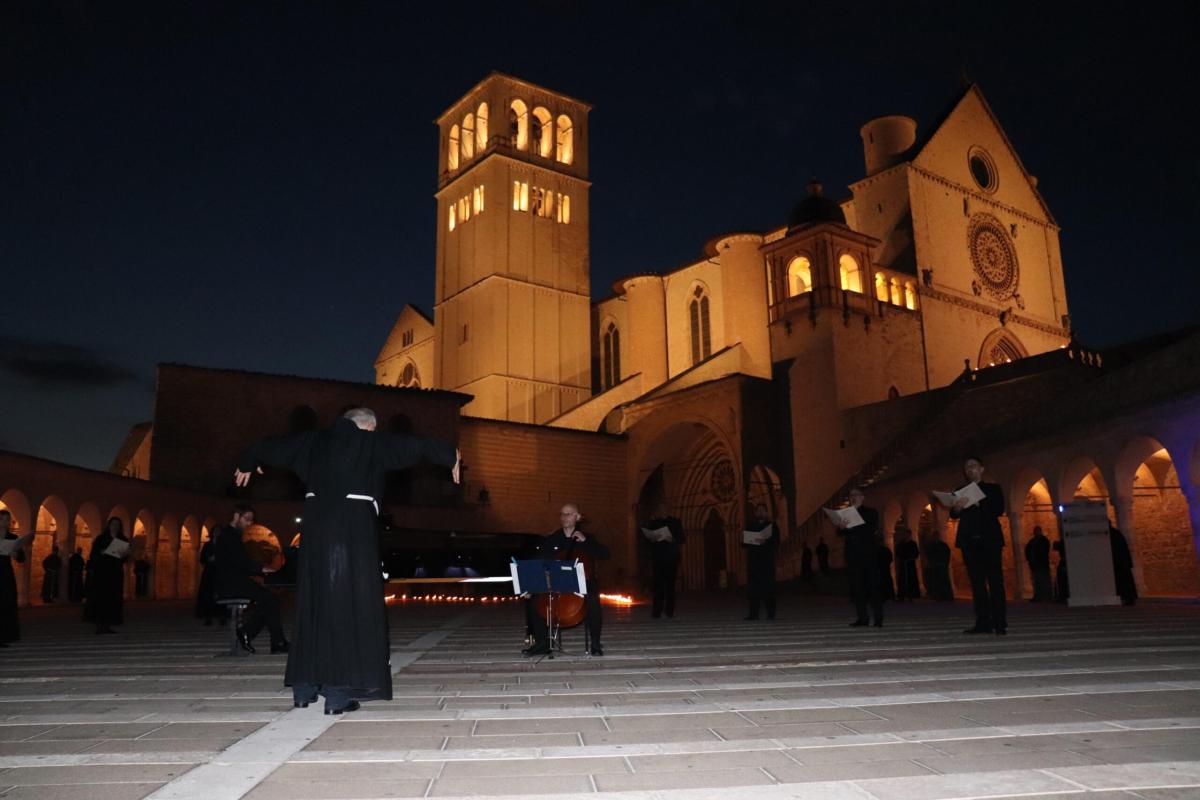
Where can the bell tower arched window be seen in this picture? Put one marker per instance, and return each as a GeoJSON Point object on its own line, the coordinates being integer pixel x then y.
{"type": "Point", "coordinates": [468, 137]}
{"type": "Point", "coordinates": [611, 348]}
{"type": "Point", "coordinates": [881, 287]}
{"type": "Point", "coordinates": [910, 296]}
{"type": "Point", "coordinates": [564, 141]}
{"type": "Point", "coordinates": [897, 298]}
{"type": "Point", "coordinates": [799, 276]}
{"type": "Point", "coordinates": [700, 327]}
{"type": "Point", "coordinates": [543, 132]}
{"type": "Point", "coordinates": [850, 273]}
{"type": "Point", "coordinates": [518, 124]}
{"type": "Point", "coordinates": [481, 127]}
{"type": "Point", "coordinates": [452, 149]}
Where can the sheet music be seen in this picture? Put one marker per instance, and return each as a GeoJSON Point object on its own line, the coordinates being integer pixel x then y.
{"type": "Point", "coordinates": [757, 537]}
{"type": "Point", "coordinates": [971, 492]}
{"type": "Point", "coordinates": [117, 549]}
{"type": "Point", "coordinates": [662, 534]}
{"type": "Point", "coordinates": [847, 517]}
{"type": "Point", "coordinates": [9, 546]}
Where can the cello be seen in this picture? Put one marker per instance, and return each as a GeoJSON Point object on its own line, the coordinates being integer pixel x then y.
{"type": "Point", "coordinates": [565, 609]}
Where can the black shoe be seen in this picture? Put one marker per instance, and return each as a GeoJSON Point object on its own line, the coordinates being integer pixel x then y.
{"type": "Point", "coordinates": [536, 649]}
{"type": "Point", "coordinates": [878, 623]}
{"type": "Point", "coordinates": [279, 647]}
{"type": "Point", "coordinates": [353, 705]}
{"type": "Point", "coordinates": [977, 629]}
{"type": "Point", "coordinates": [244, 641]}
{"type": "Point", "coordinates": [858, 623]}
{"type": "Point", "coordinates": [1002, 631]}
{"type": "Point", "coordinates": [749, 617]}
{"type": "Point", "coordinates": [596, 651]}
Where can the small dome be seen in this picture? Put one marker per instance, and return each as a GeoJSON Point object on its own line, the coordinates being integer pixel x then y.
{"type": "Point", "coordinates": [815, 208]}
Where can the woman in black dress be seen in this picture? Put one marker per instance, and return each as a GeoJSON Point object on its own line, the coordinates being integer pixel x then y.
{"type": "Point", "coordinates": [9, 630]}
{"type": "Point", "coordinates": [106, 580]}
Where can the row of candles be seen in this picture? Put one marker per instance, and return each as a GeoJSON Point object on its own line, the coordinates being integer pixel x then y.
{"type": "Point", "coordinates": [610, 599]}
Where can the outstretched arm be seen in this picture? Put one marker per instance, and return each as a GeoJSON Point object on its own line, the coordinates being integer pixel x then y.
{"type": "Point", "coordinates": [400, 452]}
{"type": "Point", "coordinates": [274, 451]}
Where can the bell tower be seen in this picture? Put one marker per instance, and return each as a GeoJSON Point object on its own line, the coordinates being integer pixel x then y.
{"type": "Point", "coordinates": [512, 300]}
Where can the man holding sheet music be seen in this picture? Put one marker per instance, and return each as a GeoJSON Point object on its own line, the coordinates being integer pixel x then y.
{"type": "Point", "coordinates": [858, 525]}
{"type": "Point", "coordinates": [977, 507]}
{"type": "Point", "coordinates": [761, 540]}
{"type": "Point", "coordinates": [665, 534]}
{"type": "Point", "coordinates": [11, 549]}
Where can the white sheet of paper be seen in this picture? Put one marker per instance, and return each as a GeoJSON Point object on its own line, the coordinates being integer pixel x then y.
{"type": "Point", "coordinates": [757, 537]}
{"type": "Point", "coordinates": [662, 534]}
{"type": "Point", "coordinates": [972, 493]}
{"type": "Point", "coordinates": [847, 517]}
{"type": "Point", "coordinates": [117, 549]}
{"type": "Point", "coordinates": [945, 498]}
{"type": "Point", "coordinates": [9, 546]}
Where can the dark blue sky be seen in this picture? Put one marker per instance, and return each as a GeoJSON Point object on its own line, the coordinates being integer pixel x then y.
{"type": "Point", "coordinates": [250, 185]}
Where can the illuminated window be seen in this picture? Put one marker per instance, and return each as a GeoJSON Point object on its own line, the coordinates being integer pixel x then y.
{"type": "Point", "coordinates": [536, 204]}
{"type": "Point", "coordinates": [468, 137]}
{"type": "Point", "coordinates": [465, 333]}
{"type": "Point", "coordinates": [518, 124]}
{"type": "Point", "coordinates": [897, 298]}
{"type": "Point", "coordinates": [910, 295]}
{"type": "Point", "coordinates": [700, 329]}
{"type": "Point", "coordinates": [564, 209]}
{"type": "Point", "coordinates": [410, 377]}
{"type": "Point", "coordinates": [881, 287]}
{"type": "Point", "coordinates": [851, 275]}
{"type": "Point", "coordinates": [612, 356]}
{"type": "Point", "coordinates": [477, 199]}
{"type": "Point", "coordinates": [452, 150]}
{"type": "Point", "coordinates": [799, 276]}
{"type": "Point", "coordinates": [464, 209]}
{"type": "Point", "coordinates": [564, 143]}
{"type": "Point", "coordinates": [453, 216]}
{"type": "Point", "coordinates": [542, 132]}
{"type": "Point", "coordinates": [520, 196]}
{"type": "Point", "coordinates": [481, 128]}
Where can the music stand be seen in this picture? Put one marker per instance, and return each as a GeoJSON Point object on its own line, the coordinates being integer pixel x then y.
{"type": "Point", "coordinates": [549, 576]}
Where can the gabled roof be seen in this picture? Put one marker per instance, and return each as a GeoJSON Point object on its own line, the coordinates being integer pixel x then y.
{"type": "Point", "coordinates": [926, 137]}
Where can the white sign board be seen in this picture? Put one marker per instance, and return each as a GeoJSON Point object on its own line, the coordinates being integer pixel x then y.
{"type": "Point", "coordinates": [1089, 554]}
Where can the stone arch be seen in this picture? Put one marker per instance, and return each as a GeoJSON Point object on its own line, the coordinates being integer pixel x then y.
{"type": "Point", "coordinates": [891, 514]}
{"type": "Point", "coordinates": [51, 527]}
{"type": "Point", "coordinates": [542, 132]}
{"type": "Point", "coordinates": [564, 140]}
{"type": "Point", "coordinates": [1001, 346]}
{"type": "Point", "coordinates": [164, 557]}
{"type": "Point", "coordinates": [1035, 507]}
{"type": "Point", "coordinates": [1159, 523]}
{"type": "Point", "coordinates": [699, 474]}
{"type": "Point", "coordinates": [142, 537]}
{"type": "Point", "coordinates": [187, 576]}
{"type": "Point", "coordinates": [1083, 476]}
{"type": "Point", "coordinates": [518, 124]}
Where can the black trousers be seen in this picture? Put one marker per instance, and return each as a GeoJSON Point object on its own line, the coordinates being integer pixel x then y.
{"type": "Point", "coordinates": [263, 614]}
{"type": "Point", "coordinates": [985, 568]}
{"type": "Point", "coordinates": [592, 621]}
{"type": "Point", "coordinates": [866, 591]}
{"type": "Point", "coordinates": [664, 587]}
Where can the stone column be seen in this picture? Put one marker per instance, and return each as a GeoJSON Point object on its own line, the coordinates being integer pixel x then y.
{"type": "Point", "coordinates": [1191, 493]}
{"type": "Point", "coordinates": [1014, 534]}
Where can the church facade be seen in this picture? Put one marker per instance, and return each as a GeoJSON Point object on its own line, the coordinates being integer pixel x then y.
{"type": "Point", "coordinates": [736, 376]}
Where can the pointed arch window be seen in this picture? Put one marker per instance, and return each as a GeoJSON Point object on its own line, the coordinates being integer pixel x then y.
{"type": "Point", "coordinates": [452, 149]}
{"type": "Point", "coordinates": [468, 137]}
{"type": "Point", "coordinates": [564, 140]}
{"type": "Point", "coordinates": [518, 124]}
{"type": "Point", "coordinates": [850, 274]}
{"type": "Point", "coordinates": [481, 127]}
{"type": "Point", "coordinates": [612, 356]}
{"type": "Point", "coordinates": [699, 323]}
{"type": "Point", "coordinates": [542, 132]}
{"type": "Point", "coordinates": [799, 276]}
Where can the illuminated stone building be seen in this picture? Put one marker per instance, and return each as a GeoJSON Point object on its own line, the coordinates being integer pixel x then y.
{"type": "Point", "coordinates": [782, 364]}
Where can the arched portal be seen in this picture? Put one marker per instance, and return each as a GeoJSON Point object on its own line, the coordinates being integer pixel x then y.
{"type": "Point", "coordinates": [1159, 532]}
{"type": "Point", "coordinates": [51, 528]}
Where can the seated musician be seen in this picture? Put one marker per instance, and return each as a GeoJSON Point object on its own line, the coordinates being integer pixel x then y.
{"type": "Point", "coordinates": [568, 542]}
{"type": "Point", "coordinates": [234, 570]}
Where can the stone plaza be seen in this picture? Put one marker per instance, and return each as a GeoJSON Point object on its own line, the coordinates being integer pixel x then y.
{"type": "Point", "coordinates": [1075, 702]}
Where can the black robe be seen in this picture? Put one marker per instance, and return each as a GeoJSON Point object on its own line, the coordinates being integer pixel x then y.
{"type": "Point", "coordinates": [1122, 566]}
{"type": "Point", "coordinates": [75, 578]}
{"type": "Point", "coordinates": [760, 560]}
{"type": "Point", "coordinates": [51, 567]}
{"type": "Point", "coordinates": [206, 600]}
{"type": "Point", "coordinates": [341, 637]}
{"type": "Point", "coordinates": [106, 584]}
{"type": "Point", "coordinates": [10, 631]}
{"type": "Point", "coordinates": [907, 554]}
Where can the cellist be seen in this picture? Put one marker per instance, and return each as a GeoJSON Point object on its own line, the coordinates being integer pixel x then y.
{"type": "Point", "coordinates": [568, 542]}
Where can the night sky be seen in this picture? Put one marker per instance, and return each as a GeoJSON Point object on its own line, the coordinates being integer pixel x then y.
{"type": "Point", "coordinates": [249, 185]}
